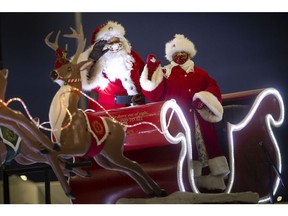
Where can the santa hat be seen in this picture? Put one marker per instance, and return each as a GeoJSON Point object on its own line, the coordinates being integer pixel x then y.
{"type": "Point", "coordinates": [107, 31]}
{"type": "Point", "coordinates": [177, 44]}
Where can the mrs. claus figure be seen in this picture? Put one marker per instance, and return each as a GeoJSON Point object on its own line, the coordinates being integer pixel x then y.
{"type": "Point", "coordinates": [199, 97]}
{"type": "Point", "coordinates": [115, 75]}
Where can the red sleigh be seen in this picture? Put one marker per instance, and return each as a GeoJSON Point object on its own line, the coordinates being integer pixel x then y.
{"type": "Point", "coordinates": [245, 133]}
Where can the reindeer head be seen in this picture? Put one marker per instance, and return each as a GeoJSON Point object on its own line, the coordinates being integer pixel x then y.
{"type": "Point", "coordinates": [68, 71]}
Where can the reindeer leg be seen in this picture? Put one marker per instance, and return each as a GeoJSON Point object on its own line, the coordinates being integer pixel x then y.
{"type": "Point", "coordinates": [106, 164]}
{"type": "Point", "coordinates": [113, 152]}
{"type": "Point", "coordinates": [54, 163]}
{"type": "Point", "coordinates": [134, 170]}
{"type": "Point", "coordinates": [27, 157]}
{"type": "Point", "coordinates": [24, 134]}
{"type": "Point", "coordinates": [68, 166]}
{"type": "Point", "coordinates": [22, 159]}
{"type": "Point", "coordinates": [51, 158]}
{"type": "Point", "coordinates": [11, 116]}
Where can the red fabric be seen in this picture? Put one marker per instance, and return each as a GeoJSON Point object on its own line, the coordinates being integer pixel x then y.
{"type": "Point", "coordinates": [198, 104]}
{"type": "Point", "coordinates": [182, 86]}
{"type": "Point", "coordinates": [152, 66]}
{"type": "Point", "coordinates": [60, 59]}
{"type": "Point", "coordinates": [106, 97]}
{"type": "Point", "coordinates": [98, 129]}
{"type": "Point", "coordinates": [100, 134]}
{"type": "Point", "coordinates": [96, 30]}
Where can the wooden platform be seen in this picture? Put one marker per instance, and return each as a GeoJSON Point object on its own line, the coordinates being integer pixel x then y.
{"type": "Point", "coordinates": [192, 198]}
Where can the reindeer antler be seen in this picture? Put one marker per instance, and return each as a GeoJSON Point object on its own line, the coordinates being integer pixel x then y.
{"type": "Point", "coordinates": [54, 45]}
{"type": "Point", "coordinates": [81, 42]}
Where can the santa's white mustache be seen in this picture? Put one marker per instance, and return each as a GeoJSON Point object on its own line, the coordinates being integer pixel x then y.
{"type": "Point", "coordinates": [114, 47]}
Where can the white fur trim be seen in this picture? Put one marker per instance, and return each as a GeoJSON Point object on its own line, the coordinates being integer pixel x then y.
{"type": "Point", "coordinates": [177, 44]}
{"type": "Point", "coordinates": [214, 113]}
{"type": "Point", "coordinates": [111, 29]}
{"type": "Point", "coordinates": [150, 85]}
{"type": "Point", "coordinates": [219, 166]}
{"type": "Point", "coordinates": [210, 182]}
{"type": "Point", "coordinates": [188, 66]}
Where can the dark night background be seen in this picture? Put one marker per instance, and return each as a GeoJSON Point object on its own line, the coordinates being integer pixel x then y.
{"type": "Point", "coordinates": [242, 51]}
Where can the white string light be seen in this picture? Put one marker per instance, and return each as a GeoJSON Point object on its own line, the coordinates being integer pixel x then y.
{"type": "Point", "coordinates": [185, 139]}
{"type": "Point", "coordinates": [123, 124]}
{"type": "Point", "coordinates": [70, 116]}
{"type": "Point", "coordinates": [6, 104]}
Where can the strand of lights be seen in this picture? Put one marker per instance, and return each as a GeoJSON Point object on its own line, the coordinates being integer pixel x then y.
{"type": "Point", "coordinates": [6, 104]}
{"type": "Point", "coordinates": [3, 103]}
{"type": "Point", "coordinates": [121, 123]}
{"type": "Point", "coordinates": [185, 139]}
{"type": "Point", "coordinates": [70, 115]}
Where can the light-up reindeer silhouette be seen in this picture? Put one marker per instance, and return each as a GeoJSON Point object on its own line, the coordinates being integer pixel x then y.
{"type": "Point", "coordinates": [88, 134]}
{"type": "Point", "coordinates": [22, 141]}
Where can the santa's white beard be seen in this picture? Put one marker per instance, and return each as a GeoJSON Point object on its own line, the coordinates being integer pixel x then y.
{"type": "Point", "coordinates": [117, 65]}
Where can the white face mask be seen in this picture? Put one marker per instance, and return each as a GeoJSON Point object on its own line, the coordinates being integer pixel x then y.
{"type": "Point", "coordinates": [114, 44]}
{"type": "Point", "coordinates": [115, 47]}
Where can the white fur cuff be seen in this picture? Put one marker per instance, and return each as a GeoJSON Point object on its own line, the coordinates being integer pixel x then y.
{"type": "Point", "coordinates": [214, 110]}
{"type": "Point", "coordinates": [219, 166]}
{"type": "Point", "coordinates": [150, 85]}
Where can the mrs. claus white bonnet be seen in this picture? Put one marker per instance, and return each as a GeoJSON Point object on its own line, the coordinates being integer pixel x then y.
{"type": "Point", "coordinates": [177, 44]}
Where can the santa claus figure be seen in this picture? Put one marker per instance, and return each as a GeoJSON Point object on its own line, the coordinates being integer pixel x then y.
{"type": "Point", "coordinates": [115, 75]}
{"type": "Point", "coordinates": [199, 97]}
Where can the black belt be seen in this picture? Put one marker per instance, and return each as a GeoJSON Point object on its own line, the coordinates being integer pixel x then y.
{"type": "Point", "coordinates": [124, 100]}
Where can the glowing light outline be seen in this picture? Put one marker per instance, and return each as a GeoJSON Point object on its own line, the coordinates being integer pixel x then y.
{"type": "Point", "coordinates": [186, 142]}
{"type": "Point", "coordinates": [268, 121]}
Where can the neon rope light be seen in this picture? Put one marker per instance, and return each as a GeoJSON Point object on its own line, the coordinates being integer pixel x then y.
{"type": "Point", "coordinates": [269, 120]}
{"type": "Point", "coordinates": [186, 142]}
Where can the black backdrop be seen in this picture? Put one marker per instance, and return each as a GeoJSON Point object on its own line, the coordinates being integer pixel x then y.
{"type": "Point", "coordinates": [241, 51]}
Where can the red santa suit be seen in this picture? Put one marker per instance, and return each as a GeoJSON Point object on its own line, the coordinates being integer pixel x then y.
{"type": "Point", "coordinates": [115, 76]}
{"type": "Point", "coordinates": [188, 84]}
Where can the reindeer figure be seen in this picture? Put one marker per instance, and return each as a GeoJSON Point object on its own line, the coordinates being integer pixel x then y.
{"type": "Point", "coordinates": [16, 121]}
{"type": "Point", "coordinates": [21, 140]}
{"type": "Point", "coordinates": [88, 134]}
